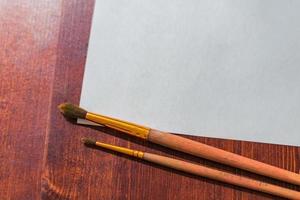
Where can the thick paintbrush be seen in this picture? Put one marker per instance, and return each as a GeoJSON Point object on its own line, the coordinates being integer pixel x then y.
{"type": "Point", "coordinates": [200, 170]}
{"type": "Point", "coordinates": [182, 144]}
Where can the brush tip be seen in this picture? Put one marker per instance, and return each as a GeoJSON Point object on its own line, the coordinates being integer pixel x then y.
{"type": "Point", "coordinates": [72, 111]}
{"type": "Point", "coordinates": [88, 141]}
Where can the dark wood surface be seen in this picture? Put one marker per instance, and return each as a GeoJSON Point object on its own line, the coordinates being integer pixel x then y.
{"type": "Point", "coordinates": [28, 49]}
{"type": "Point", "coordinates": [42, 56]}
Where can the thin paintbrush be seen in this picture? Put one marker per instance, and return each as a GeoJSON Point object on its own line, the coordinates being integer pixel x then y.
{"type": "Point", "coordinates": [182, 144]}
{"type": "Point", "coordinates": [201, 170]}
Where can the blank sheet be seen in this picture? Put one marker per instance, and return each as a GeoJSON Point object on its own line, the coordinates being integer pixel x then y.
{"type": "Point", "coordinates": [222, 68]}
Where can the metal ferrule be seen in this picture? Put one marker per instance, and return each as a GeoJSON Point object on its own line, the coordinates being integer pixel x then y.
{"type": "Point", "coordinates": [123, 150]}
{"type": "Point", "coordinates": [127, 127]}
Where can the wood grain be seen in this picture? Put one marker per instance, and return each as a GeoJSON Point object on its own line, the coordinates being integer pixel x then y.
{"type": "Point", "coordinates": [42, 56]}
{"type": "Point", "coordinates": [27, 63]}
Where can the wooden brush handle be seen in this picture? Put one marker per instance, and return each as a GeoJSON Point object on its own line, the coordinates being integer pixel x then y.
{"type": "Point", "coordinates": [218, 155]}
{"type": "Point", "coordinates": [222, 176]}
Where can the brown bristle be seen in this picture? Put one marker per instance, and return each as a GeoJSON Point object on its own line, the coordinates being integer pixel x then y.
{"type": "Point", "coordinates": [88, 141]}
{"type": "Point", "coordinates": [72, 111]}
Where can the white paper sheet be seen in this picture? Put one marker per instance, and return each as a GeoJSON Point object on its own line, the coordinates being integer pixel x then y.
{"type": "Point", "coordinates": [221, 68]}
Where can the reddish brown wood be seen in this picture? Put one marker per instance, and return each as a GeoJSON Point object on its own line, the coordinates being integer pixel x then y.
{"type": "Point", "coordinates": [43, 49]}
{"type": "Point", "coordinates": [28, 40]}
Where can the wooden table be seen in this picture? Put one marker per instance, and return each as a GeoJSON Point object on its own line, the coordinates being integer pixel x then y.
{"type": "Point", "coordinates": [43, 50]}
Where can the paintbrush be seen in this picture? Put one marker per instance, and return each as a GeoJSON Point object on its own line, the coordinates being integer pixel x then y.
{"type": "Point", "coordinates": [183, 144]}
{"type": "Point", "coordinates": [200, 170]}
